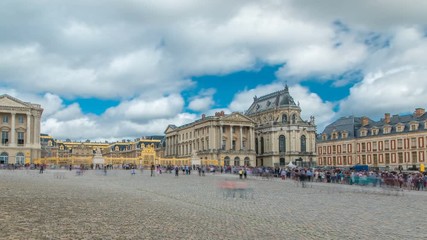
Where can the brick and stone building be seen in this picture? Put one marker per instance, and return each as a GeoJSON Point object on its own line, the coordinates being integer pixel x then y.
{"type": "Point", "coordinates": [394, 142]}
{"type": "Point", "coordinates": [20, 131]}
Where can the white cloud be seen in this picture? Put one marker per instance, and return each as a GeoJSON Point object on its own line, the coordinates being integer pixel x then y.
{"type": "Point", "coordinates": [203, 101]}
{"type": "Point", "coordinates": [395, 78]}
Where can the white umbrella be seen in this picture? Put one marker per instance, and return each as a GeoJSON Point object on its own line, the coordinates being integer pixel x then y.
{"type": "Point", "coordinates": [291, 165]}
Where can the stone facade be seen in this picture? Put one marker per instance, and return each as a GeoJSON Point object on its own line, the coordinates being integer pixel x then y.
{"type": "Point", "coordinates": [394, 142]}
{"type": "Point", "coordinates": [229, 139]}
{"type": "Point", "coordinates": [281, 135]}
{"type": "Point", "coordinates": [20, 131]}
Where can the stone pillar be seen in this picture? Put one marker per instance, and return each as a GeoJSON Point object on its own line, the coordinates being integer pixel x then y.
{"type": "Point", "coordinates": [220, 136]}
{"type": "Point", "coordinates": [28, 137]}
{"type": "Point", "coordinates": [35, 130]}
{"type": "Point", "coordinates": [241, 138]}
{"type": "Point", "coordinates": [231, 137]}
{"type": "Point", "coordinates": [12, 134]}
{"type": "Point", "coordinates": [252, 139]}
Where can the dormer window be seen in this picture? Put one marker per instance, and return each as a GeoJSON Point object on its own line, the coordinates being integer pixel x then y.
{"type": "Point", "coordinates": [399, 128]}
{"type": "Point", "coordinates": [414, 127]}
{"type": "Point", "coordinates": [324, 137]}
{"type": "Point", "coordinates": [334, 136]}
{"type": "Point", "coordinates": [344, 135]}
{"type": "Point", "coordinates": [363, 132]}
{"type": "Point", "coordinates": [257, 106]}
{"type": "Point", "coordinates": [374, 131]}
{"type": "Point", "coordinates": [268, 103]}
{"type": "Point", "coordinates": [386, 130]}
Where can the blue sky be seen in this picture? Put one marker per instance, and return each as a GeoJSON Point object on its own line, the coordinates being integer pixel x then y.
{"type": "Point", "coordinates": [130, 68]}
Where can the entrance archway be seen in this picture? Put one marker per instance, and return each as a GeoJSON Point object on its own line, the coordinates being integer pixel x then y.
{"type": "Point", "coordinates": [4, 158]}
{"type": "Point", "coordinates": [20, 158]}
{"type": "Point", "coordinates": [236, 161]}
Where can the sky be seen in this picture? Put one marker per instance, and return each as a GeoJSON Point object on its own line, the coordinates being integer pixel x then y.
{"type": "Point", "coordinates": [111, 70]}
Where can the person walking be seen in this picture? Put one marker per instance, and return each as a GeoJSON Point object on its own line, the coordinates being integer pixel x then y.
{"type": "Point", "coordinates": [240, 173]}
{"type": "Point", "coordinates": [41, 168]}
{"type": "Point", "coordinates": [152, 169]}
{"type": "Point", "coordinates": [176, 171]}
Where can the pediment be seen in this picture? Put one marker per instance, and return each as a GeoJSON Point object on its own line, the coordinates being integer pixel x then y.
{"type": "Point", "coordinates": [170, 128]}
{"type": "Point", "coordinates": [8, 101]}
{"type": "Point", "coordinates": [237, 117]}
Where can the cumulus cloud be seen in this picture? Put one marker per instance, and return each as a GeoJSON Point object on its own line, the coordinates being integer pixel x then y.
{"type": "Point", "coordinates": [394, 78]}
{"type": "Point", "coordinates": [203, 101]}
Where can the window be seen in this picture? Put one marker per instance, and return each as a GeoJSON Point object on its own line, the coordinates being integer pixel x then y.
{"type": "Point", "coordinates": [223, 129]}
{"type": "Point", "coordinates": [399, 143]}
{"type": "Point", "coordinates": [363, 147]}
{"type": "Point", "coordinates": [344, 148]}
{"type": "Point", "coordinates": [20, 138]}
{"type": "Point", "coordinates": [4, 158]}
{"type": "Point", "coordinates": [334, 135]}
{"type": "Point", "coordinates": [387, 158]}
{"type": "Point", "coordinates": [386, 145]}
{"type": "Point", "coordinates": [344, 160]}
{"type": "Point", "coordinates": [233, 129]}
{"type": "Point", "coordinates": [374, 146]}
{"type": "Point", "coordinates": [243, 144]}
{"type": "Point", "coordinates": [414, 157]}
{"type": "Point", "coordinates": [227, 161]}
{"type": "Point", "coordinates": [234, 145]}
{"type": "Point", "coordinates": [334, 149]}
{"type": "Point", "coordinates": [386, 130]}
{"type": "Point", "coordinates": [414, 127]}
{"type": "Point", "coordinates": [4, 137]}
{"type": "Point", "coordinates": [222, 146]}
{"type": "Point", "coordinates": [363, 159]}
{"type": "Point", "coordinates": [236, 161]}
{"type": "Point", "coordinates": [247, 161]}
{"type": "Point", "coordinates": [400, 157]}
{"type": "Point", "coordinates": [343, 135]}
{"type": "Point", "coordinates": [363, 133]}
{"type": "Point", "coordinates": [294, 119]}
{"type": "Point", "coordinates": [5, 119]}
{"type": "Point", "coordinates": [284, 118]}
{"type": "Point", "coordinates": [413, 142]}
{"type": "Point", "coordinates": [262, 145]}
{"type": "Point", "coordinates": [20, 119]}
{"type": "Point", "coordinates": [282, 144]}
{"type": "Point", "coordinates": [20, 158]}
{"type": "Point", "coordinates": [303, 144]}
{"type": "Point", "coordinates": [256, 145]}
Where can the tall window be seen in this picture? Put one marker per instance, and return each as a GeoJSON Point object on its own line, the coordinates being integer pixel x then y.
{"type": "Point", "coordinates": [236, 161]}
{"type": "Point", "coordinates": [282, 162]}
{"type": "Point", "coordinates": [294, 119]}
{"type": "Point", "coordinates": [4, 158]}
{"type": "Point", "coordinates": [20, 138]}
{"type": "Point", "coordinates": [20, 158]}
{"type": "Point", "coordinates": [303, 144]}
{"type": "Point", "coordinates": [282, 144]}
{"type": "Point", "coordinates": [262, 145]}
{"type": "Point", "coordinates": [4, 137]}
{"type": "Point", "coordinates": [234, 145]}
{"type": "Point", "coordinates": [5, 119]}
{"type": "Point", "coordinates": [284, 118]}
{"type": "Point", "coordinates": [223, 145]}
{"type": "Point", "coordinates": [256, 145]}
{"type": "Point", "coordinates": [20, 119]}
{"type": "Point", "coordinates": [247, 161]}
{"type": "Point", "coordinates": [227, 161]}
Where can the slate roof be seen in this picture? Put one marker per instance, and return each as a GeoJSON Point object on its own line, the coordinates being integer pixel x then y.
{"type": "Point", "coordinates": [273, 100]}
{"type": "Point", "coordinates": [352, 125]}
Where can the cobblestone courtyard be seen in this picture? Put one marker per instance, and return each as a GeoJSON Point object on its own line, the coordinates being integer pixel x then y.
{"type": "Point", "coordinates": [121, 206]}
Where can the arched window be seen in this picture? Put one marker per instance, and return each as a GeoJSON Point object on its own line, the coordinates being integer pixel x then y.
{"type": "Point", "coordinates": [284, 118]}
{"type": "Point", "coordinates": [262, 145]}
{"type": "Point", "coordinates": [236, 161]}
{"type": "Point", "coordinates": [282, 144]}
{"type": "Point", "coordinates": [247, 162]}
{"type": "Point", "coordinates": [227, 161]}
{"type": "Point", "coordinates": [294, 118]}
{"type": "Point", "coordinates": [282, 162]}
{"type": "Point", "coordinates": [256, 145]}
{"type": "Point", "coordinates": [4, 158]}
{"type": "Point", "coordinates": [20, 158]}
{"type": "Point", "coordinates": [303, 144]}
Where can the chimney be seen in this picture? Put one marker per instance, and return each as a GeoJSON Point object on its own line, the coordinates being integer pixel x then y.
{"type": "Point", "coordinates": [365, 121]}
{"type": "Point", "coordinates": [387, 118]}
{"type": "Point", "coordinates": [419, 112]}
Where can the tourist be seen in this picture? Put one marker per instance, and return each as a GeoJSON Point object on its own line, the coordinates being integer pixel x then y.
{"type": "Point", "coordinates": [152, 170]}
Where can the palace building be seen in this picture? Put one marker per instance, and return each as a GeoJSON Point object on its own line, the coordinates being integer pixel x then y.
{"type": "Point", "coordinates": [281, 135]}
{"type": "Point", "coordinates": [394, 142]}
{"type": "Point", "coordinates": [227, 139]}
{"type": "Point", "coordinates": [271, 133]}
{"type": "Point", "coordinates": [20, 131]}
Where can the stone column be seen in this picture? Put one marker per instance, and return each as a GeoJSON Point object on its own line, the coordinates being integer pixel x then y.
{"type": "Point", "coordinates": [35, 126]}
{"type": "Point", "coordinates": [28, 137]}
{"type": "Point", "coordinates": [241, 138]}
{"type": "Point", "coordinates": [252, 139]}
{"type": "Point", "coordinates": [231, 137]}
{"type": "Point", "coordinates": [12, 135]}
{"type": "Point", "coordinates": [220, 137]}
